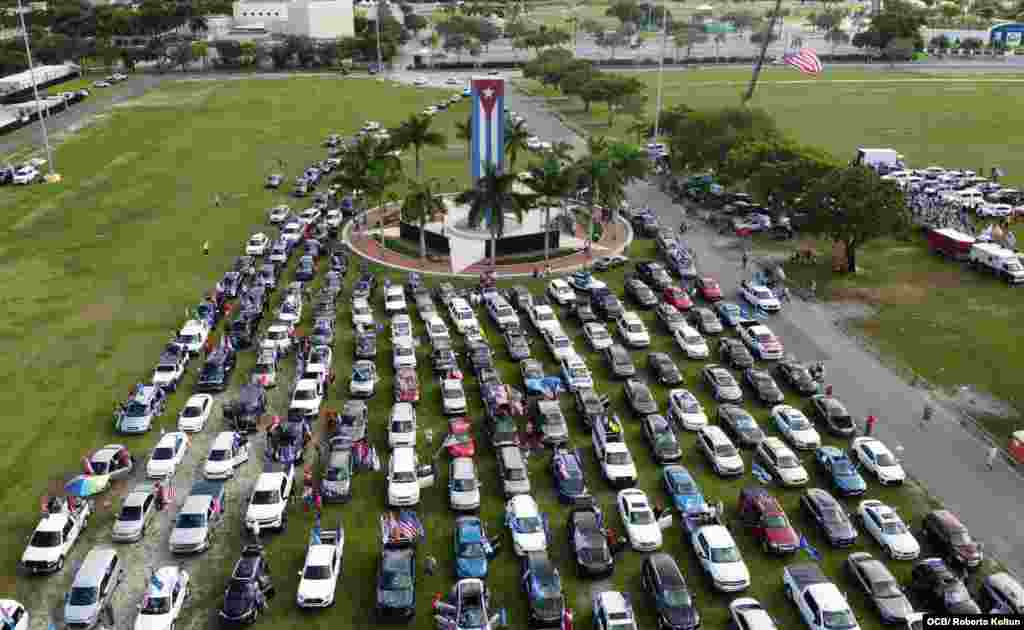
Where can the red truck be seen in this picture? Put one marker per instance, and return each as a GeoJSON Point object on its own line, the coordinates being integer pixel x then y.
{"type": "Point", "coordinates": [950, 243]}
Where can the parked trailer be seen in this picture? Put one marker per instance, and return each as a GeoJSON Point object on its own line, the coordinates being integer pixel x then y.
{"type": "Point", "coordinates": [1003, 262]}
{"type": "Point", "coordinates": [951, 243]}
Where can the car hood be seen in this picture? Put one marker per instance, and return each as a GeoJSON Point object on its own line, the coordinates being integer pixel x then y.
{"type": "Point", "coordinates": [324, 589]}
{"type": "Point", "coordinates": [261, 512]}
{"type": "Point", "coordinates": [126, 528]}
{"type": "Point", "coordinates": [850, 482]}
{"type": "Point", "coordinates": [689, 502]}
{"type": "Point", "coordinates": [189, 536]}
{"type": "Point", "coordinates": [793, 475]}
{"type": "Point", "coordinates": [467, 497]}
{"type": "Point", "coordinates": [729, 571]}
{"type": "Point", "coordinates": [904, 543]}
{"type": "Point", "coordinates": [153, 622]}
{"type": "Point", "coordinates": [680, 616]}
{"type": "Point", "coordinates": [646, 533]}
{"type": "Point", "coordinates": [647, 406]}
{"type": "Point", "coordinates": [808, 436]}
{"type": "Point", "coordinates": [80, 614]}
{"type": "Point", "coordinates": [531, 542]}
{"type": "Point", "coordinates": [896, 608]}
{"type": "Point", "coordinates": [781, 535]}
{"type": "Point", "coordinates": [160, 468]}
{"type": "Point", "coordinates": [471, 567]}
{"type": "Point", "coordinates": [218, 468]}
{"type": "Point", "coordinates": [731, 463]}
{"type": "Point", "coordinates": [891, 472]}
{"type": "Point", "coordinates": [621, 470]}
{"type": "Point", "coordinates": [163, 377]}
{"type": "Point", "coordinates": [394, 599]}
{"type": "Point", "coordinates": [41, 554]}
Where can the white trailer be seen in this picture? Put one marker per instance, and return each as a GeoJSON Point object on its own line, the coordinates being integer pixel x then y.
{"type": "Point", "coordinates": [1003, 262]}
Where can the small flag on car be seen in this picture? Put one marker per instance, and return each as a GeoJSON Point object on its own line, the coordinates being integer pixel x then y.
{"type": "Point", "coordinates": [811, 551]}
{"type": "Point", "coordinates": [760, 473]}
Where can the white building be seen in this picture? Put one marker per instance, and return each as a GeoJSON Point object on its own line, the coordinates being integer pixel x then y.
{"type": "Point", "coordinates": [318, 19]}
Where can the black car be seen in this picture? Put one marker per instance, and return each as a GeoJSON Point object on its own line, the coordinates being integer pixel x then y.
{"type": "Point", "coordinates": [945, 531]}
{"type": "Point", "coordinates": [216, 372]}
{"type": "Point", "coordinates": [640, 293]}
{"type": "Point", "coordinates": [244, 412]}
{"type": "Point", "coordinates": [480, 358]}
{"type": "Point", "coordinates": [639, 397]}
{"type": "Point", "coordinates": [734, 353]}
{"type": "Point", "coordinates": [517, 343]}
{"type": "Point", "coordinates": [396, 583]}
{"type": "Point", "coordinates": [268, 275]}
{"type": "Point", "coordinates": [363, 288]}
{"type": "Point", "coordinates": [250, 587]}
{"type": "Point", "coordinates": [619, 361]}
{"type": "Point", "coordinates": [605, 304]}
{"type": "Point", "coordinates": [231, 284]}
{"type": "Point", "coordinates": [366, 344]}
{"type": "Point", "coordinates": [442, 360]}
{"type": "Point", "coordinates": [664, 584]}
{"type": "Point", "coordinates": [829, 515]}
{"type": "Point", "coordinates": [590, 406]}
{"type": "Point", "coordinates": [739, 425]}
{"type": "Point", "coordinates": [763, 385]}
{"type": "Point", "coordinates": [588, 540]}
{"type": "Point", "coordinates": [543, 588]}
{"type": "Point", "coordinates": [322, 333]}
{"type": "Point", "coordinates": [243, 329]}
{"type": "Point", "coordinates": [663, 368]}
{"type": "Point", "coordinates": [583, 312]}
{"type": "Point", "coordinates": [880, 586]}
{"type": "Point", "coordinates": [520, 299]}
{"type": "Point", "coordinates": [567, 474]}
{"type": "Point", "coordinates": [654, 275]}
{"type": "Point", "coordinates": [833, 414]}
{"type": "Point", "coordinates": [306, 269]}
{"type": "Point", "coordinates": [940, 590]}
{"type": "Point", "coordinates": [797, 376]}
{"type": "Point", "coordinates": [661, 438]}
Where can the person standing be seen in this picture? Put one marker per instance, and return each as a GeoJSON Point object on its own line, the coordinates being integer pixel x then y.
{"type": "Point", "coordinates": [993, 453]}
{"type": "Point", "coordinates": [431, 565]}
{"type": "Point", "coordinates": [206, 248]}
{"type": "Point", "coordinates": [926, 415]}
{"type": "Point", "coordinates": [870, 425]}
{"type": "Point", "coordinates": [744, 261]}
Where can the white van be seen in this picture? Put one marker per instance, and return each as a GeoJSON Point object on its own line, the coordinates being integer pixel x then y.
{"type": "Point", "coordinates": [1003, 262]}
{"type": "Point", "coordinates": [462, 315]}
{"type": "Point", "coordinates": [406, 477]}
{"type": "Point", "coordinates": [882, 160]}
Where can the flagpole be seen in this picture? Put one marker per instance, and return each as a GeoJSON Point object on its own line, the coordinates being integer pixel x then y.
{"type": "Point", "coordinates": [661, 71]}
{"type": "Point", "coordinates": [764, 53]}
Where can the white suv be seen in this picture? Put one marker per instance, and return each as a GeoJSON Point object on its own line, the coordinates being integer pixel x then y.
{"type": "Point", "coordinates": [633, 331]}
{"type": "Point", "coordinates": [394, 300]}
{"type": "Point", "coordinates": [720, 451]}
{"type": "Point", "coordinates": [402, 425]}
{"type": "Point", "coordinates": [403, 482]}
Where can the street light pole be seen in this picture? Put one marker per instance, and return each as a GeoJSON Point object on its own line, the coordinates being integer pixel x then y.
{"type": "Point", "coordinates": [380, 57]}
{"type": "Point", "coordinates": [661, 71]}
{"type": "Point", "coordinates": [35, 89]}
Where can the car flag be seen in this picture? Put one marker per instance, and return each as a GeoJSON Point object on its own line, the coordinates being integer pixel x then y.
{"type": "Point", "coordinates": [811, 551]}
{"type": "Point", "coordinates": [760, 473]}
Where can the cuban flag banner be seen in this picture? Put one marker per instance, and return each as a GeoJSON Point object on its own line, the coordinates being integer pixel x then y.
{"type": "Point", "coordinates": [488, 125]}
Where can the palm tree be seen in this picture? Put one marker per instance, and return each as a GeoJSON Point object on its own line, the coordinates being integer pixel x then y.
{"type": "Point", "coordinates": [553, 181]}
{"type": "Point", "coordinates": [419, 205]}
{"type": "Point", "coordinates": [464, 132]}
{"type": "Point", "coordinates": [516, 138]}
{"type": "Point", "coordinates": [371, 166]}
{"type": "Point", "coordinates": [493, 195]}
{"type": "Point", "coordinates": [415, 132]}
{"type": "Point", "coordinates": [609, 167]}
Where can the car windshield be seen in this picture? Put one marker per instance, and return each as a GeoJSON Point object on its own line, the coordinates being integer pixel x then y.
{"type": "Point", "coordinates": [266, 497]}
{"type": "Point", "coordinates": [544, 316]}
{"type": "Point", "coordinates": [505, 311]}
{"type": "Point", "coordinates": [130, 513]}
{"type": "Point", "coordinates": [463, 485]}
{"type": "Point", "coordinates": [579, 373]}
{"type": "Point", "coordinates": [636, 328]}
{"type": "Point", "coordinates": [725, 450]}
{"type": "Point", "coordinates": [618, 458]}
{"type": "Point", "coordinates": [641, 517]}
{"type": "Point", "coordinates": [774, 521]}
{"type": "Point", "coordinates": [765, 338]}
{"type": "Point", "coordinates": [305, 394]}
{"type": "Point", "coordinates": [763, 294]}
{"type": "Point", "coordinates": [155, 605]}
{"type": "Point", "coordinates": [210, 370]}
{"type": "Point", "coordinates": [693, 340]}
{"type": "Point", "coordinates": [887, 588]}
{"type": "Point", "coordinates": [725, 554]}
{"type": "Point", "coordinates": [833, 516]}
{"type": "Point", "coordinates": [642, 395]}
{"type": "Point", "coordinates": [678, 598]}
{"type": "Point", "coordinates": [259, 368]}
{"type": "Point", "coordinates": [401, 426]}
{"type": "Point", "coordinates": [138, 409]}
{"type": "Point", "coordinates": [839, 620]}
{"type": "Point", "coordinates": [683, 485]}
{"type": "Point", "coordinates": [191, 520]}
{"type": "Point", "coordinates": [745, 422]}
{"type": "Point", "coordinates": [893, 528]}
{"type": "Point", "coordinates": [843, 467]}
{"type": "Point", "coordinates": [453, 393]}
{"type": "Point", "coordinates": [885, 459]}
{"type": "Point", "coordinates": [187, 339]}
{"type": "Point", "coordinates": [471, 550]}
{"type": "Point", "coordinates": [166, 368]}
{"type": "Point", "coordinates": [788, 461]}
{"type": "Point", "coordinates": [219, 455]}
{"type": "Point", "coordinates": [317, 572]}
{"type": "Point", "coordinates": [83, 595]}
{"type": "Point", "coordinates": [98, 468]}
{"type": "Point", "coordinates": [45, 539]}
{"type": "Point", "coordinates": [276, 335]}
{"type": "Point", "coordinates": [798, 423]}
{"type": "Point", "coordinates": [528, 525]}
{"type": "Point", "coordinates": [842, 421]}
{"type": "Point", "coordinates": [164, 452]}
{"type": "Point", "coordinates": [516, 474]}
{"type": "Point", "coordinates": [560, 342]}
{"type": "Point", "coordinates": [403, 476]}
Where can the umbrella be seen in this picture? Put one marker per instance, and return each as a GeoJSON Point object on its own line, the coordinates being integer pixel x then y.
{"type": "Point", "coordinates": [87, 485]}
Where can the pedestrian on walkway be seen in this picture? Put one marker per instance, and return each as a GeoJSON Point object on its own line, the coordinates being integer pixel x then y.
{"type": "Point", "coordinates": [745, 260]}
{"type": "Point", "coordinates": [870, 425]}
{"type": "Point", "coordinates": [828, 389]}
{"type": "Point", "coordinates": [926, 416]}
{"type": "Point", "coordinates": [993, 453]}
{"type": "Point", "coordinates": [431, 565]}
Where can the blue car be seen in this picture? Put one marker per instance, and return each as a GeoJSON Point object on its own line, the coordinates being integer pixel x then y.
{"type": "Point", "coordinates": [841, 470]}
{"type": "Point", "coordinates": [730, 314]}
{"type": "Point", "coordinates": [471, 548]}
{"type": "Point", "coordinates": [680, 485]}
{"type": "Point", "coordinates": [567, 473]}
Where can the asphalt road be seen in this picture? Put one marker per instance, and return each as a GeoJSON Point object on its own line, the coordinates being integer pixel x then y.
{"type": "Point", "coordinates": [946, 458]}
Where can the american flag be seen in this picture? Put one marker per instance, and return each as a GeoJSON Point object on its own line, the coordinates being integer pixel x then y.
{"type": "Point", "coordinates": [805, 60]}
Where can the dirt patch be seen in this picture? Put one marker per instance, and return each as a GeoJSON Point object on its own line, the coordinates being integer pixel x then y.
{"type": "Point", "coordinates": [99, 312]}
{"type": "Point", "coordinates": [877, 296]}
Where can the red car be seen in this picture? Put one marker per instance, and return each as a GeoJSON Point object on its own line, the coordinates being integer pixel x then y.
{"type": "Point", "coordinates": [763, 514]}
{"type": "Point", "coordinates": [460, 438]}
{"type": "Point", "coordinates": [709, 289]}
{"type": "Point", "coordinates": [407, 385]}
{"type": "Point", "coordinates": [678, 298]}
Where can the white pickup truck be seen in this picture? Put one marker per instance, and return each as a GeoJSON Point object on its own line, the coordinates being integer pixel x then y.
{"type": "Point", "coordinates": [54, 536]}
{"type": "Point", "coordinates": [268, 504]}
{"type": "Point", "coordinates": [1004, 263]}
{"type": "Point", "coordinates": [821, 604]}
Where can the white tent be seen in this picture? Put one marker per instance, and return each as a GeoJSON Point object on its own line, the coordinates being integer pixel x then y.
{"type": "Point", "coordinates": [705, 8]}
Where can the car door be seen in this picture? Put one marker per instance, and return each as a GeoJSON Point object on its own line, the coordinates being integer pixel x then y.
{"type": "Point", "coordinates": [147, 509]}
{"type": "Point", "coordinates": [858, 572]}
{"type": "Point", "coordinates": [70, 532]}
{"type": "Point", "coordinates": [425, 475]}
{"type": "Point", "coordinates": [873, 525]}
{"type": "Point", "coordinates": [177, 597]}
{"type": "Point", "coordinates": [812, 507]}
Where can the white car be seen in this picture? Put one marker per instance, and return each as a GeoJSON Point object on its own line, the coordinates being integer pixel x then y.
{"type": "Point", "coordinates": [308, 395]}
{"type": "Point", "coordinates": [533, 143]}
{"type": "Point", "coordinates": [632, 330]}
{"type": "Point", "coordinates": [685, 410]}
{"type": "Point", "coordinates": [560, 291]}
{"type": "Point", "coordinates": [166, 593]}
{"type": "Point", "coordinates": [193, 335]}
{"type": "Point", "coordinates": [257, 245]}
{"type": "Point", "coordinates": [27, 175]}
{"type": "Point", "coordinates": [333, 218]}
{"type": "Point", "coordinates": [362, 314]}
{"type": "Point", "coordinates": [278, 337]}
{"type": "Point", "coordinates": [617, 464]}
{"type": "Point", "coordinates": [309, 215]}
{"type": "Point", "coordinates": [795, 427]}
{"type": "Point", "coordinates": [559, 344]}
{"type": "Point", "coordinates": [403, 480]}
{"type": "Point", "coordinates": [691, 342]}
{"type": "Point", "coordinates": [543, 318]}
{"type": "Point", "coordinates": [402, 425]}
{"type": "Point", "coordinates": [462, 315]}
{"type": "Point", "coordinates": [364, 379]}
{"type": "Point", "coordinates": [453, 396]}
{"type": "Point", "coordinates": [888, 529]}
{"type": "Point", "coordinates": [720, 558]}
{"type": "Point", "coordinates": [642, 529]}
{"type": "Point", "coordinates": [166, 455]}
{"type": "Point", "coordinates": [401, 329]}
{"type": "Point", "coordinates": [761, 341]}
{"type": "Point", "coordinates": [290, 311]}
{"type": "Point", "coordinates": [597, 336]}
{"type": "Point", "coordinates": [403, 355]}
{"type": "Point", "coordinates": [463, 485]}
{"type": "Point", "coordinates": [52, 540]}
{"type": "Point", "coordinates": [720, 452]}
{"type": "Point", "coordinates": [196, 412]}
{"type": "Point", "coordinates": [420, 81]}
{"type": "Point", "coordinates": [781, 462]}
{"type": "Point", "coordinates": [748, 613]}
{"type": "Point", "coordinates": [879, 461]}
{"type": "Point", "coordinates": [394, 300]}
{"type": "Point", "coordinates": [575, 373]}
{"type": "Point", "coordinates": [291, 232]}
{"type": "Point", "coordinates": [321, 570]}
{"type": "Point", "coordinates": [278, 214]}
{"type": "Point", "coordinates": [670, 316]}
{"type": "Point", "coordinates": [436, 329]}
{"type": "Point", "coordinates": [994, 210]}
{"type": "Point", "coordinates": [278, 252]}
{"type": "Point", "coordinates": [759, 296]}
{"type": "Point", "coordinates": [523, 518]}
{"type": "Point", "coordinates": [613, 611]}
{"type": "Point", "coordinates": [269, 500]}
{"type": "Point", "coordinates": [502, 313]}
{"type": "Point", "coordinates": [228, 451]}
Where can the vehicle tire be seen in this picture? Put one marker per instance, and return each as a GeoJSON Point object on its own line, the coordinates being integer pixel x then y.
{"type": "Point", "coordinates": [789, 593]}
{"type": "Point", "coordinates": [60, 563]}
{"type": "Point", "coordinates": [889, 552]}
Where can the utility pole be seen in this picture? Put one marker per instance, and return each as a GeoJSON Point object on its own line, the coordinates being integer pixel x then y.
{"type": "Point", "coordinates": [380, 57]}
{"type": "Point", "coordinates": [764, 52]}
{"type": "Point", "coordinates": [661, 71]}
{"type": "Point", "coordinates": [35, 89]}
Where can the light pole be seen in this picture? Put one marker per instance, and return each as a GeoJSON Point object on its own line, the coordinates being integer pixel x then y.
{"type": "Point", "coordinates": [661, 70]}
{"type": "Point", "coordinates": [380, 58]}
{"type": "Point", "coordinates": [35, 89]}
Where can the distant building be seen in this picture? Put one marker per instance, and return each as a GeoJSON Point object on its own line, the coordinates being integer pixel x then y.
{"type": "Point", "coordinates": [1008, 34]}
{"type": "Point", "coordinates": [318, 19]}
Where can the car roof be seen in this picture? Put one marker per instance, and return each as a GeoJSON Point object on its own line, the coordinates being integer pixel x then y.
{"type": "Point", "coordinates": [196, 503]}
{"type": "Point", "coordinates": [463, 467]}
{"type": "Point", "coordinates": [874, 569]}
{"type": "Point", "coordinates": [319, 555]}
{"type": "Point", "coordinates": [524, 503]}
{"type": "Point", "coordinates": [614, 602]}
{"type": "Point", "coordinates": [94, 566]}
{"type": "Point", "coordinates": [402, 411]}
{"type": "Point", "coordinates": [714, 433]}
{"type": "Point", "coordinates": [717, 536]}
{"type": "Point", "coordinates": [268, 481]}
{"type": "Point", "coordinates": [223, 440]}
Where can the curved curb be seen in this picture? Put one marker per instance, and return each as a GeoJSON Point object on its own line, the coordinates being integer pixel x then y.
{"type": "Point", "coordinates": [347, 240]}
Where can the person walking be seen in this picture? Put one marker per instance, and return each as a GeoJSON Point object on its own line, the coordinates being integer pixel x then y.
{"type": "Point", "coordinates": [431, 565]}
{"type": "Point", "coordinates": [990, 460]}
{"type": "Point", "coordinates": [745, 259]}
{"type": "Point", "coordinates": [870, 426]}
{"type": "Point", "coordinates": [926, 415]}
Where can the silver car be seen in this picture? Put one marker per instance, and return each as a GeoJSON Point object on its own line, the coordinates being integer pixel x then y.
{"type": "Point", "coordinates": [136, 511]}
{"type": "Point", "coordinates": [94, 583]}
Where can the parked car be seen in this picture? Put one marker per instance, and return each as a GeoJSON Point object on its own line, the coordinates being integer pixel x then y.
{"type": "Point", "coordinates": [832, 414]}
{"type": "Point", "coordinates": [888, 529]}
{"type": "Point", "coordinates": [723, 385]}
{"type": "Point", "coordinates": [876, 458]}
{"type": "Point", "coordinates": [618, 360]}
{"type": "Point", "coordinates": [396, 583]}
{"type": "Point", "coordinates": [720, 452]}
{"type": "Point", "coordinates": [940, 589]}
{"type": "Point", "coordinates": [880, 586]}
{"type": "Point", "coordinates": [639, 397]}
{"type": "Point", "coordinates": [943, 529]}
{"type": "Point", "coordinates": [588, 539]}
{"type": "Point", "coordinates": [705, 320]}
{"type": "Point", "coordinates": [763, 515]}
{"type": "Point", "coordinates": [642, 528]}
{"type": "Point", "coordinates": [94, 584]}
{"type": "Point", "coordinates": [685, 410]}
{"type": "Point", "coordinates": [661, 367]}
{"type": "Point", "coordinates": [567, 473]}
{"type": "Point", "coordinates": [732, 352]}
{"type": "Point", "coordinates": [661, 438]}
{"type": "Point", "coordinates": [739, 425]}
{"type": "Point", "coordinates": [841, 471]}
{"type": "Point", "coordinates": [781, 462]}
{"type": "Point", "coordinates": [797, 376]}
{"type": "Point", "coordinates": [795, 428]}
{"type": "Point", "coordinates": [830, 517]}
{"type": "Point", "coordinates": [543, 587]}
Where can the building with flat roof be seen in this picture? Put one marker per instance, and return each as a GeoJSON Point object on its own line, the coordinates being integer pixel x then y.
{"type": "Point", "coordinates": [318, 19]}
